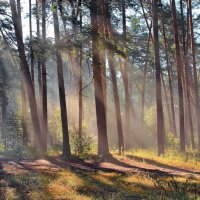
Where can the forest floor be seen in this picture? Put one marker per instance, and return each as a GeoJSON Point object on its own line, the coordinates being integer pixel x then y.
{"type": "Point", "coordinates": [119, 177]}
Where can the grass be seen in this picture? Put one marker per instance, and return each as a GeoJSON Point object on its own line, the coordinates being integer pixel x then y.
{"type": "Point", "coordinates": [75, 184]}
{"type": "Point", "coordinates": [188, 160]}
{"type": "Point", "coordinates": [69, 184]}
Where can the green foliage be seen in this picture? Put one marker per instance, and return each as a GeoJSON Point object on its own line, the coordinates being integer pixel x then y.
{"type": "Point", "coordinates": [19, 152]}
{"type": "Point", "coordinates": [177, 191]}
{"type": "Point", "coordinates": [55, 126]}
{"type": "Point", "coordinates": [172, 142]}
{"type": "Point", "coordinates": [13, 133]}
{"type": "Point", "coordinates": [150, 120]}
{"type": "Point", "coordinates": [81, 145]}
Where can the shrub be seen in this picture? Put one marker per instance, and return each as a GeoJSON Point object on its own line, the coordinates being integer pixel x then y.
{"type": "Point", "coordinates": [81, 145]}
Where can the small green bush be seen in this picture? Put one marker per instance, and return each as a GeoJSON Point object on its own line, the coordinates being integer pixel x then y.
{"type": "Point", "coordinates": [81, 145]}
{"type": "Point", "coordinates": [172, 142]}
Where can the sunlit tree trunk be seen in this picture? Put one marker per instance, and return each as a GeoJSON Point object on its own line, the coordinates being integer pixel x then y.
{"type": "Point", "coordinates": [124, 73]}
{"type": "Point", "coordinates": [61, 87]}
{"type": "Point", "coordinates": [31, 48]}
{"type": "Point", "coordinates": [179, 74]}
{"type": "Point", "coordinates": [26, 76]}
{"type": "Point", "coordinates": [80, 122]}
{"type": "Point", "coordinates": [98, 85]}
{"type": "Point", "coordinates": [144, 82]}
{"type": "Point", "coordinates": [44, 80]}
{"type": "Point", "coordinates": [169, 79]}
{"type": "Point", "coordinates": [103, 30]}
{"type": "Point", "coordinates": [160, 116]}
{"type": "Point", "coordinates": [187, 81]}
{"type": "Point", "coordinates": [112, 66]}
{"type": "Point", "coordinates": [39, 61]}
{"type": "Point", "coordinates": [166, 101]}
{"type": "Point", "coordinates": [196, 89]}
{"type": "Point", "coordinates": [23, 88]}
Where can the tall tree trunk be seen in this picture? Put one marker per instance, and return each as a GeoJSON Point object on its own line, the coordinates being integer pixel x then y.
{"type": "Point", "coordinates": [26, 76]}
{"type": "Point", "coordinates": [39, 61]}
{"type": "Point", "coordinates": [110, 36]}
{"type": "Point", "coordinates": [31, 48]}
{"type": "Point", "coordinates": [124, 73]}
{"type": "Point", "coordinates": [166, 101]}
{"type": "Point", "coordinates": [169, 79]}
{"type": "Point", "coordinates": [144, 82]}
{"type": "Point", "coordinates": [102, 21]}
{"type": "Point", "coordinates": [61, 87]}
{"type": "Point", "coordinates": [44, 80]}
{"type": "Point", "coordinates": [160, 116]}
{"type": "Point", "coordinates": [80, 122]}
{"type": "Point", "coordinates": [23, 86]}
{"type": "Point", "coordinates": [179, 73]}
{"type": "Point", "coordinates": [117, 103]}
{"type": "Point", "coordinates": [24, 112]}
{"type": "Point", "coordinates": [98, 84]}
{"type": "Point", "coordinates": [196, 89]}
{"type": "Point", "coordinates": [187, 81]}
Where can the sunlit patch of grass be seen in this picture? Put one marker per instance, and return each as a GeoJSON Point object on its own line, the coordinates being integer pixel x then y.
{"type": "Point", "coordinates": [74, 184]}
{"type": "Point", "coordinates": [65, 186]}
{"type": "Point", "coordinates": [189, 160]}
{"type": "Point", "coordinates": [8, 193]}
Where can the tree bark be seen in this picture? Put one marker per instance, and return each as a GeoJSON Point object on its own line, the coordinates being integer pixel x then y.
{"type": "Point", "coordinates": [98, 85]}
{"type": "Point", "coordinates": [169, 79]}
{"type": "Point", "coordinates": [196, 89]}
{"type": "Point", "coordinates": [61, 87]}
{"type": "Point", "coordinates": [31, 48]}
{"type": "Point", "coordinates": [124, 73]}
{"type": "Point", "coordinates": [160, 116]}
{"type": "Point", "coordinates": [26, 76]}
{"type": "Point", "coordinates": [44, 80]}
{"type": "Point", "coordinates": [179, 73]}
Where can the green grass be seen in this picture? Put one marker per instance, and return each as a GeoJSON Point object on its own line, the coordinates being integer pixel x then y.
{"type": "Point", "coordinates": [190, 159]}
{"type": "Point", "coordinates": [82, 185]}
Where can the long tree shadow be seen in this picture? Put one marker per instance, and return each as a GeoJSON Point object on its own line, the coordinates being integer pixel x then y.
{"type": "Point", "coordinates": [96, 166]}
{"type": "Point", "coordinates": [119, 163]}
{"type": "Point", "coordinates": [31, 182]}
{"type": "Point", "coordinates": [5, 182]}
{"type": "Point", "coordinates": [158, 164]}
{"type": "Point", "coordinates": [103, 190]}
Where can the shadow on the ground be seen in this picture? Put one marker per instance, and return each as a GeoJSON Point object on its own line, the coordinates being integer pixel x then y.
{"type": "Point", "coordinates": [158, 164]}
{"type": "Point", "coordinates": [22, 184]}
{"type": "Point", "coordinates": [5, 183]}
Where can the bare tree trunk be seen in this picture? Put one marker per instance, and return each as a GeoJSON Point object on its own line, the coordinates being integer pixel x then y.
{"type": "Point", "coordinates": [160, 116]}
{"type": "Point", "coordinates": [103, 30]}
{"type": "Point", "coordinates": [98, 85]}
{"type": "Point", "coordinates": [44, 80]}
{"type": "Point", "coordinates": [26, 76]}
{"type": "Point", "coordinates": [179, 73]}
{"type": "Point", "coordinates": [31, 48]}
{"type": "Point", "coordinates": [187, 81]}
{"type": "Point", "coordinates": [110, 35]}
{"type": "Point", "coordinates": [144, 82]}
{"type": "Point", "coordinates": [61, 87]}
{"type": "Point", "coordinates": [39, 61]}
{"type": "Point", "coordinates": [169, 80]}
{"type": "Point", "coordinates": [80, 122]}
{"type": "Point", "coordinates": [124, 73]}
{"type": "Point", "coordinates": [196, 89]}
{"type": "Point", "coordinates": [23, 86]}
{"type": "Point", "coordinates": [166, 101]}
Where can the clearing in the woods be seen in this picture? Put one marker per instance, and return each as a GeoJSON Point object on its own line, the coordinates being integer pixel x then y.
{"type": "Point", "coordinates": [125, 177]}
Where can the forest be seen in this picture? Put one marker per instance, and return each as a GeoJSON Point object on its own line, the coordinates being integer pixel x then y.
{"type": "Point", "coordinates": [99, 99]}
